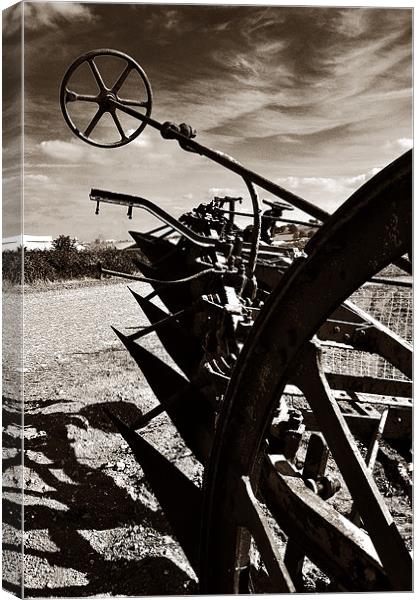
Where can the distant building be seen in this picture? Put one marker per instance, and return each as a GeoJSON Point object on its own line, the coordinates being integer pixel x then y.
{"type": "Point", "coordinates": [30, 242]}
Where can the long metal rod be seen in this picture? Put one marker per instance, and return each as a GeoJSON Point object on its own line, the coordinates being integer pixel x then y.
{"type": "Point", "coordinates": [247, 214]}
{"type": "Point", "coordinates": [157, 229]}
{"type": "Point", "coordinates": [370, 459]}
{"type": "Point", "coordinates": [154, 326]}
{"type": "Point", "coordinates": [159, 409]}
{"type": "Point", "coordinates": [138, 202]}
{"type": "Point", "coordinates": [160, 281]}
{"type": "Point", "coordinates": [390, 281]}
{"type": "Point", "coordinates": [230, 163]}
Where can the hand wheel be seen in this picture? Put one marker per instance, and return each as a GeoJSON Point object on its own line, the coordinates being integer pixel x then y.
{"type": "Point", "coordinates": [105, 98]}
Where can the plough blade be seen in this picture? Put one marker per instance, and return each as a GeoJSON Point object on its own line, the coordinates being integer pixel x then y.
{"type": "Point", "coordinates": [146, 269]}
{"type": "Point", "coordinates": [153, 248]}
{"type": "Point", "coordinates": [178, 497]}
{"type": "Point", "coordinates": [185, 349]}
{"type": "Point", "coordinates": [190, 413]}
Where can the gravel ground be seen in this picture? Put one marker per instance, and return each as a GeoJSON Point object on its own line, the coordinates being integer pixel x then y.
{"type": "Point", "coordinates": [92, 524]}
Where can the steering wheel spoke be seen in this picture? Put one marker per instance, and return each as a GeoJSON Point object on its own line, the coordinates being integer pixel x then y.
{"type": "Point", "coordinates": [94, 122]}
{"type": "Point", "coordinates": [121, 79]}
{"type": "Point", "coordinates": [118, 125]}
{"type": "Point", "coordinates": [127, 102]}
{"type": "Point", "coordinates": [97, 75]}
{"type": "Point", "coordinates": [75, 97]}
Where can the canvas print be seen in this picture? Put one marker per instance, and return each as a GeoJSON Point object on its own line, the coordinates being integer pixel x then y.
{"type": "Point", "coordinates": [207, 299]}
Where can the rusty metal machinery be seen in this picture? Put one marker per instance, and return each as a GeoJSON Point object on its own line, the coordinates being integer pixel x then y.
{"type": "Point", "coordinates": [251, 325]}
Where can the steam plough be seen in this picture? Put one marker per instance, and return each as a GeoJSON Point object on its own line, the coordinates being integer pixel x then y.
{"type": "Point", "coordinates": [252, 325]}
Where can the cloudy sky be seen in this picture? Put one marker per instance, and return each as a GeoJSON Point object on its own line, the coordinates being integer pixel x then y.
{"type": "Point", "coordinates": [316, 99]}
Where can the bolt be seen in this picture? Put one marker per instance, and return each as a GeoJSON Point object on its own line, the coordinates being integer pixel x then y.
{"type": "Point", "coordinates": [347, 337]}
{"type": "Point", "coordinates": [328, 486]}
{"type": "Point", "coordinates": [336, 329]}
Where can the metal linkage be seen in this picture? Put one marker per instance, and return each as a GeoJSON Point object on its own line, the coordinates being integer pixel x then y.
{"type": "Point", "coordinates": [108, 100]}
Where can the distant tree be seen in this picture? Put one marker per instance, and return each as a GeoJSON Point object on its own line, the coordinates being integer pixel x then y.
{"type": "Point", "coordinates": [64, 242]}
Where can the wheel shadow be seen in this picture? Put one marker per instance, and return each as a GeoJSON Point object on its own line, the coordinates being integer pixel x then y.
{"type": "Point", "coordinates": [73, 509]}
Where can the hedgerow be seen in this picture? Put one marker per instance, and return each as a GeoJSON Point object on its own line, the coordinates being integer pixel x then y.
{"type": "Point", "coordinates": [63, 264]}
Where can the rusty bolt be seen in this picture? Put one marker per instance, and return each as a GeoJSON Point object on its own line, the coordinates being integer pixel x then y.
{"type": "Point", "coordinates": [328, 487]}
{"type": "Point", "coordinates": [336, 329]}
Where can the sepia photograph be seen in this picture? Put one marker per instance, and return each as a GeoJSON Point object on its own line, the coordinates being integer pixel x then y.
{"type": "Point", "coordinates": [207, 299]}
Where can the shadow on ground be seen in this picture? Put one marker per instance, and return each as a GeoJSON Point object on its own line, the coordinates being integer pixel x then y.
{"type": "Point", "coordinates": [92, 501]}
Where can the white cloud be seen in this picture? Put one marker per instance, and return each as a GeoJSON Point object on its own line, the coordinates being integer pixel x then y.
{"type": "Point", "coordinates": [405, 143]}
{"type": "Point", "coordinates": [400, 145]}
{"type": "Point", "coordinates": [37, 177]}
{"type": "Point", "coordinates": [330, 185]}
{"type": "Point", "coordinates": [76, 152]}
{"type": "Point", "coordinates": [40, 178]}
{"type": "Point", "coordinates": [65, 151]}
{"type": "Point", "coordinates": [214, 191]}
{"type": "Point", "coordinates": [50, 14]}
{"type": "Point", "coordinates": [143, 140]}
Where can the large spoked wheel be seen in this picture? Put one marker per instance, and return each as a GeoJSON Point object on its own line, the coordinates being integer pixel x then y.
{"type": "Point", "coordinates": [105, 97]}
{"type": "Point", "coordinates": [371, 230]}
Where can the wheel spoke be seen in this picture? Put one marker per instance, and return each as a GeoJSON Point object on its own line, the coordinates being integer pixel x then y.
{"type": "Point", "coordinates": [143, 103]}
{"type": "Point", "coordinates": [118, 125]}
{"type": "Point", "coordinates": [121, 79]}
{"type": "Point", "coordinates": [258, 527]}
{"type": "Point", "coordinates": [97, 75]}
{"type": "Point", "coordinates": [317, 527]}
{"type": "Point", "coordinates": [377, 518]}
{"type": "Point", "coordinates": [371, 457]}
{"type": "Point", "coordinates": [93, 122]}
{"type": "Point", "coordinates": [75, 97]}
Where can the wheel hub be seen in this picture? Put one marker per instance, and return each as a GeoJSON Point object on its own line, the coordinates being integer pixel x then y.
{"type": "Point", "coordinates": [106, 100]}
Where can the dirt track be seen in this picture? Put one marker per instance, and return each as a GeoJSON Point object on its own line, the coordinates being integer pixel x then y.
{"type": "Point", "coordinates": [92, 526]}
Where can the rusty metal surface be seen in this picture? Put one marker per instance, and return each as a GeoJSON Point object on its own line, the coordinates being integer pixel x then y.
{"type": "Point", "coordinates": [240, 318]}
{"type": "Point", "coordinates": [282, 330]}
{"type": "Point", "coordinates": [329, 539]}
